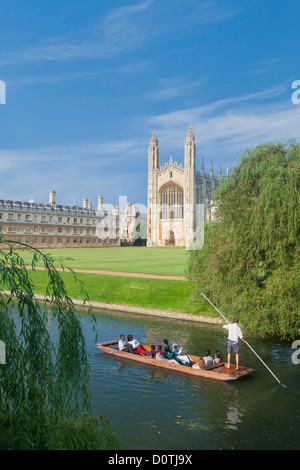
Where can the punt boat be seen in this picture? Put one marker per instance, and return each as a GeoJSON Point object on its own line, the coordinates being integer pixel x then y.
{"type": "Point", "coordinates": [216, 372]}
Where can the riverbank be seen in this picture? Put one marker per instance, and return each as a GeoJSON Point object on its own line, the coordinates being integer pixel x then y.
{"type": "Point", "coordinates": [134, 280]}
{"type": "Point", "coordinates": [132, 292]}
{"type": "Point", "coordinates": [135, 309]}
{"type": "Point", "coordinates": [142, 311]}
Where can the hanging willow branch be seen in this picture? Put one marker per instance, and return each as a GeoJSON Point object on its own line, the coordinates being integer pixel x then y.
{"type": "Point", "coordinates": [45, 401]}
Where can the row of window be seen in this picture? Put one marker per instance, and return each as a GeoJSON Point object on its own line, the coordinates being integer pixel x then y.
{"type": "Point", "coordinates": [52, 240]}
{"type": "Point", "coordinates": [46, 219]}
{"type": "Point", "coordinates": [37, 229]}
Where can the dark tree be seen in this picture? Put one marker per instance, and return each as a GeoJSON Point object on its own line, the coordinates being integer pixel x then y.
{"type": "Point", "coordinates": [250, 262]}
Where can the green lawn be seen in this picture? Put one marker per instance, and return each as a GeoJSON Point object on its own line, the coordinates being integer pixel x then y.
{"type": "Point", "coordinates": [153, 293]}
{"type": "Point", "coordinates": [135, 259]}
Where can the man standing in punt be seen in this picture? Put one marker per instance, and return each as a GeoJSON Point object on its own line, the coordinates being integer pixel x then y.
{"type": "Point", "coordinates": [234, 333]}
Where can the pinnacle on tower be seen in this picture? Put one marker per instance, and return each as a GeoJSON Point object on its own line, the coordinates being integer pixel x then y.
{"type": "Point", "coordinates": [153, 152]}
{"type": "Point", "coordinates": [153, 138]}
{"type": "Point", "coordinates": [202, 167]}
{"type": "Point", "coordinates": [190, 134]}
{"type": "Point", "coordinates": [190, 149]}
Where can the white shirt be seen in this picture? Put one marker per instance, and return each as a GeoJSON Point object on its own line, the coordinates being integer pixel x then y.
{"type": "Point", "coordinates": [134, 343]}
{"type": "Point", "coordinates": [160, 357]}
{"type": "Point", "coordinates": [234, 332]}
{"type": "Point", "coordinates": [122, 344]}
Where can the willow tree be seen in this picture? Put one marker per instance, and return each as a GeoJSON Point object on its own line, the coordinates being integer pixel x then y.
{"type": "Point", "coordinates": [250, 262]}
{"type": "Point", "coordinates": [45, 401]}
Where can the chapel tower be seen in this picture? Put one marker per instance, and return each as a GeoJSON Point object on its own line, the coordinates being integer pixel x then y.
{"type": "Point", "coordinates": [189, 186]}
{"type": "Point", "coordinates": [153, 163]}
{"type": "Point", "coordinates": [175, 193]}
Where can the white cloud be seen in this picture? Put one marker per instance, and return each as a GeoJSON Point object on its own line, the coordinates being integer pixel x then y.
{"type": "Point", "coordinates": [165, 89]}
{"type": "Point", "coordinates": [83, 168]}
{"type": "Point", "coordinates": [223, 130]}
{"type": "Point", "coordinates": [118, 31]}
{"type": "Point", "coordinates": [226, 128]}
{"type": "Point", "coordinates": [125, 29]}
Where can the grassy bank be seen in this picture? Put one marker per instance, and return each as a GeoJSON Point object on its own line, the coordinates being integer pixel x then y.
{"type": "Point", "coordinates": [135, 259]}
{"type": "Point", "coordinates": [151, 293]}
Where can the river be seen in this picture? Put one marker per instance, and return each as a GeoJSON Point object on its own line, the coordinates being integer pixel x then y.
{"type": "Point", "coordinates": [153, 409]}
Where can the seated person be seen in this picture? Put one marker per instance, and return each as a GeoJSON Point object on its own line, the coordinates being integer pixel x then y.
{"type": "Point", "coordinates": [208, 359]}
{"type": "Point", "coordinates": [167, 348]}
{"type": "Point", "coordinates": [172, 355]}
{"type": "Point", "coordinates": [124, 346]}
{"type": "Point", "coordinates": [152, 352]}
{"type": "Point", "coordinates": [218, 358]}
{"type": "Point", "coordinates": [200, 364]}
{"type": "Point", "coordinates": [137, 348]}
{"type": "Point", "coordinates": [160, 357]}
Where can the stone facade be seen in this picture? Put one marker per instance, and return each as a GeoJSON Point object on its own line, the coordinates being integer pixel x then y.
{"type": "Point", "coordinates": [57, 226]}
{"type": "Point", "coordinates": [177, 196]}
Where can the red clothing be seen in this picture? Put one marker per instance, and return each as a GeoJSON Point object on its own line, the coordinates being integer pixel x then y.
{"type": "Point", "coordinates": [139, 350]}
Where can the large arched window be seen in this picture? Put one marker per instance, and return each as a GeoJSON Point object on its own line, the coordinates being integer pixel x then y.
{"type": "Point", "coordinates": [171, 201]}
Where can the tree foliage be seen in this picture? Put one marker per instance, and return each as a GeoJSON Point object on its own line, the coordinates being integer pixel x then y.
{"type": "Point", "coordinates": [250, 262]}
{"type": "Point", "coordinates": [45, 401]}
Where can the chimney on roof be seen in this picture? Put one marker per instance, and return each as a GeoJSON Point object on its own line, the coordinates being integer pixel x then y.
{"type": "Point", "coordinates": [52, 197]}
{"type": "Point", "coordinates": [100, 203]}
{"type": "Point", "coordinates": [85, 203]}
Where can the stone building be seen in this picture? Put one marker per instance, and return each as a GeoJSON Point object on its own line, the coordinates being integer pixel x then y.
{"type": "Point", "coordinates": [178, 196]}
{"type": "Point", "coordinates": [57, 226]}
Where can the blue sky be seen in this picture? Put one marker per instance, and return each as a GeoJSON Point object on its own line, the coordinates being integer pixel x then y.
{"type": "Point", "coordinates": [87, 82]}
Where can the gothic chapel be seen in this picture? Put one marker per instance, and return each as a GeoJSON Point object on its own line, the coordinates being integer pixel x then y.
{"type": "Point", "coordinates": [177, 196]}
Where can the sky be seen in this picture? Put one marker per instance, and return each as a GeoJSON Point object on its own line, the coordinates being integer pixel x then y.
{"type": "Point", "coordinates": [86, 83]}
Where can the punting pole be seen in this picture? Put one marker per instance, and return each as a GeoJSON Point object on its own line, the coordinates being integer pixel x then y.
{"type": "Point", "coordinates": [246, 343]}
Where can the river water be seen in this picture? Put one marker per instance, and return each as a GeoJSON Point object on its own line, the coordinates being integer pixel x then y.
{"type": "Point", "coordinates": [153, 409]}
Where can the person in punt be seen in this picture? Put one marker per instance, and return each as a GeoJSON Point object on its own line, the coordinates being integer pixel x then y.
{"type": "Point", "coordinates": [167, 348]}
{"type": "Point", "coordinates": [208, 359]}
{"type": "Point", "coordinates": [160, 357]}
{"type": "Point", "coordinates": [137, 348]}
{"type": "Point", "coordinates": [218, 359]}
{"type": "Point", "coordinates": [152, 352]}
{"type": "Point", "coordinates": [234, 334]}
{"type": "Point", "coordinates": [200, 364]}
{"type": "Point", "coordinates": [172, 355]}
{"type": "Point", "coordinates": [124, 345]}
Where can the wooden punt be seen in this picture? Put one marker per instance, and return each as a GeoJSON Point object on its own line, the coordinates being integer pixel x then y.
{"type": "Point", "coordinates": [216, 372]}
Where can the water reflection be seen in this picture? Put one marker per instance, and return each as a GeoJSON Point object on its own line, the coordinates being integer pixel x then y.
{"type": "Point", "coordinates": [234, 416]}
{"type": "Point", "coordinates": [168, 410]}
